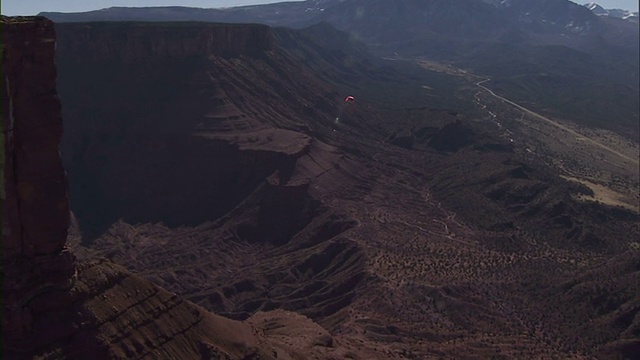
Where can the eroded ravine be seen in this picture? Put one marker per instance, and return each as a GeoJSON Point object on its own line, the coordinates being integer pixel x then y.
{"type": "Point", "coordinates": [371, 231]}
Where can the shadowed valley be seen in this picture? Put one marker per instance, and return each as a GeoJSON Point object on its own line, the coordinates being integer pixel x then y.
{"type": "Point", "coordinates": [227, 203]}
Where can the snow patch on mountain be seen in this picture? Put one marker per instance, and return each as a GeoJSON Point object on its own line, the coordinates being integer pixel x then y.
{"type": "Point", "coordinates": [498, 3]}
{"type": "Point", "coordinates": [320, 5]}
{"type": "Point", "coordinates": [616, 13]}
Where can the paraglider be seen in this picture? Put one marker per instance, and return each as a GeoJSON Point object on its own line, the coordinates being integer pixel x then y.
{"type": "Point", "coordinates": [349, 99]}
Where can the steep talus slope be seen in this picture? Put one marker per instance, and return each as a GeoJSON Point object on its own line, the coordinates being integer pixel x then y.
{"type": "Point", "coordinates": [187, 114]}
{"type": "Point", "coordinates": [249, 196]}
{"type": "Point", "coordinates": [54, 307]}
{"type": "Point", "coordinates": [117, 315]}
{"type": "Point", "coordinates": [315, 279]}
{"type": "Point", "coordinates": [236, 150]}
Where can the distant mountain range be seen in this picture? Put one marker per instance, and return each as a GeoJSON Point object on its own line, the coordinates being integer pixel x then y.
{"type": "Point", "coordinates": [616, 13]}
{"type": "Point", "coordinates": [439, 28]}
{"type": "Point", "coordinates": [435, 27]}
{"type": "Point", "coordinates": [554, 54]}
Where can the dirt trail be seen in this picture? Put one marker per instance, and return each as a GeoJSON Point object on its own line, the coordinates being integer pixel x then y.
{"type": "Point", "coordinates": [556, 124]}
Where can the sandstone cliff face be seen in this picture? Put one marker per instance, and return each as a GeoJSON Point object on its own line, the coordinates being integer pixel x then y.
{"type": "Point", "coordinates": [183, 140]}
{"type": "Point", "coordinates": [35, 205]}
{"type": "Point", "coordinates": [139, 42]}
{"type": "Point", "coordinates": [55, 308]}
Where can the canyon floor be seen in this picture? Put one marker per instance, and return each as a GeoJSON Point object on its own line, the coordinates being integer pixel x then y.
{"type": "Point", "coordinates": [419, 226]}
{"type": "Point", "coordinates": [456, 240]}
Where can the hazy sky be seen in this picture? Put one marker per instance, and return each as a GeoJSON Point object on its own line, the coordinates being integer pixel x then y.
{"type": "Point", "coordinates": [32, 7]}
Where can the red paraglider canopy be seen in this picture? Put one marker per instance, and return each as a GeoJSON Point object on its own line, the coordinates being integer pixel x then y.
{"type": "Point", "coordinates": [349, 99]}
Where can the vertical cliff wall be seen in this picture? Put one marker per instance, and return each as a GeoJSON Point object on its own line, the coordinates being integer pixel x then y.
{"type": "Point", "coordinates": [53, 308]}
{"type": "Point", "coordinates": [138, 42]}
{"type": "Point", "coordinates": [35, 205]}
{"type": "Point", "coordinates": [178, 123]}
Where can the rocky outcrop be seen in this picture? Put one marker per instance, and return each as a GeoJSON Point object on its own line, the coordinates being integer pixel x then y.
{"type": "Point", "coordinates": [140, 42]}
{"type": "Point", "coordinates": [184, 140]}
{"type": "Point", "coordinates": [54, 307]}
{"type": "Point", "coordinates": [117, 315]}
{"type": "Point", "coordinates": [35, 203]}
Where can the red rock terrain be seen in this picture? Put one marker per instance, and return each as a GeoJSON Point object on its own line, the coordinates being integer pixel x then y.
{"type": "Point", "coordinates": [35, 206]}
{"type": "Point", "coordinates": [406, 230]}
{"type": "Point", "coordinates": [56, 308]}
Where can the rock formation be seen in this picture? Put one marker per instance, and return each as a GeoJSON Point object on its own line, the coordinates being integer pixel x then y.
{"type": "Point", "coordinates": [236, 118]}
{"type": "Point", "coordinates": [141, 42]}
{"type": "Point", "coordinates": [343, 224]}
{"type": "Point", "coordinates": [35, 204]}
{"type": "Point", "coordinates": [55, 307]}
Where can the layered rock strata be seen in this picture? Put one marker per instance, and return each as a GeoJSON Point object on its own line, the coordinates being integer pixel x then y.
{"type": "Point", "coordinates": [56, 308]}
{"type": "Point", "coordinates": [135, 42]}
{"type": "Point", "coordinates": [35, 203]}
